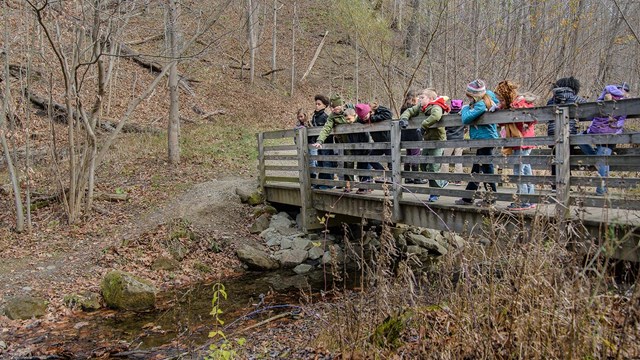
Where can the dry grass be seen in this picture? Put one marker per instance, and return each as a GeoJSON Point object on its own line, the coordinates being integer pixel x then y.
{"type": "Point", "coordinates": [506, 298]}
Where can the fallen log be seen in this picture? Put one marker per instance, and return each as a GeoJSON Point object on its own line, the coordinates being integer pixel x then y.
{"type": "Point", "coordinates": [128, 52]}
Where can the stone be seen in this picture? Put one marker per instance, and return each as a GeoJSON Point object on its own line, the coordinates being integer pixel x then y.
{"type": "Point", "coordinates": [86, 301]}
{"type": "Point", "coordinates": [302, 269]}
{"type": "Point", "coordinates": [286, 243]}
{"type": "Point", "coordinates": [293, 258]}
{"type": "Point", "coordinates": [124, 291]}
{"type": "Point", "coordinates": [315, 253]}
{"type": "Point", "coordinates": [281, 220]}
{"type": "Point", "coordinates": [261, 224]}
{"type": "Point", "coordinates": [430, 244]}
{"type": "Point", "coordinates": [301, 244]}
{"type": "Point", "coordinates": [266, 209]}
{"type": "Point", "coordinates": [275, 241]}
{"type": "Point", "coordinates": [25, 307]}
{"type": "Point", "coordinates": [251, 198]}
{"type": "Point", "coordinates": [270, 234]}
{"type": "Point", "coordinates": [414, 250]}
{"type": "Point", "coordinates": [313, 237]}
{"type": "Point", "coordinates": [430, 233]}
{"type": "Point", "coordinates": [165, 263]}
{"type": "Point", "coordinates": [256, 259]}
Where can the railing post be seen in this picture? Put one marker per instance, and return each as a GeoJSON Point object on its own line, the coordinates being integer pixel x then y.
{"type": "Point", "coordinates": [307, 211]}
{"type": "Point", "coordinates": [563, 169]}
{"type": "Point", "coordinates": [396, 164]}
{"type": "Point", "coordinates": [262, 173]}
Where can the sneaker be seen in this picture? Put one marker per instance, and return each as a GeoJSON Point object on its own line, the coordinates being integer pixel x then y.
{"type": "Point", "coordinates": [463, 202]}
{"type": "Point", "coordinates": [364, 191]}
{"type": "Point", "coordinates": [515, 207]}
{"type": "Point", "coordinates": [408, 181]}
{"type": "Point", "coordinates": [433, 198]}
{"type": "Point", "coordinates": [324, 187]}
{"type": "Point", "coordinates": [419, 181]}
{"type": "Point", "coordinates": [446, 183]}
{"type": "Point", "coordinates": [458, 183]}
{"type": "Point", "coordinates": [347, 190]}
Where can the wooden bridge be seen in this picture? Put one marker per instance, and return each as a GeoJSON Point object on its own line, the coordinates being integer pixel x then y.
{"type": "Point", "coordinates": [573, 210]}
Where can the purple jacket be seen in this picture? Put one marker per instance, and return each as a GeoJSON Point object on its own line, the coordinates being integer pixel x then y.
{"type": "Point", "coordinates": [611, 124]}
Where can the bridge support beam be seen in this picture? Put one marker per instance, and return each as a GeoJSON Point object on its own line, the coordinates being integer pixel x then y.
{"type": "Point", "coordinates": [308, 213]}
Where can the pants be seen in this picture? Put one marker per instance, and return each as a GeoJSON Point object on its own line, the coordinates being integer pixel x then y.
{"type": "Point", "coordinates": [313, 163]}
{"type": "Point", "coordinates": [458, 166]}
{"type": "Point", "coordinates": [360, 165]}
{"type": "Point", "coordinates": [326, 164]}
{"type": "Point", "coordinates": [603, 168]}
{"type": "Point", "coordinates": [484, 169]}
{"type": "Point", "coordinates": [433, 167]}
{"type": "Point", "coordinates": [523, 169]}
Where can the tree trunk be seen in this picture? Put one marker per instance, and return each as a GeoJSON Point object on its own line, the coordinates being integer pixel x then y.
{"type": "Point", "coordinates": [274, 38]}
{"type": "Point", "coordinates": [173, 135]}
{"type": "Point", "coordinates": [293, 48]}
{"type": "Point", "coordinates": [252, 39]}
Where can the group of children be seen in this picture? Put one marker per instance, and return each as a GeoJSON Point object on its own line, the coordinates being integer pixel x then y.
{"type": "Point", "coordinates": [429, 104]}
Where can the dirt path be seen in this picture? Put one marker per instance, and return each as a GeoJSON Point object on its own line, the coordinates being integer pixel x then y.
{"type": "Point", "coordinates": [53, 265]}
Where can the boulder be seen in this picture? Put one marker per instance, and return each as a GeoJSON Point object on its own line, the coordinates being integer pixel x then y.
{"type": "Point", "coordinates": [266, 209]}
{"type": "Point", "coordinates": [327, 258]}
{"type": "Point", "coordinates": [291, 258]}
{"type": "Point", "coordinates": [87, 301]}
{"type": "Point", "coordinates": [301, 244]}
{"type": "Point", "coordinates": [125, 291]}
{"type": "Point", "coordinates": [280, 221]}
{"type": "Point", "coordinates": [430, 244]}
{"type": "Point", "coordinates": [261, 224]}
{"type": "Point", "coordinates": [315, 252]}
{"type": "Point", "coordinates": [302, 269]}
{"type": "Point", "coordinates": [430, 233]}
{"type": "Point", "coordinates": [256, 259]}
{"type": "Point", "coordinates": [286, 243]}
{"type": "Point", "coordinates": [165, 263]}
{"type": "Point", "coordinates": [251, 198]}
{"type": "Point", "coordinates": [25, 307]}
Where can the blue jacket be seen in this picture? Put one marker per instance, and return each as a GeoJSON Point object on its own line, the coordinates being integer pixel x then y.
{"type": "Point", "coordinates": [471, 113]}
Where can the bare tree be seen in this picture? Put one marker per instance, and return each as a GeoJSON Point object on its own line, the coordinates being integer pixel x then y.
{"type": "Point", "coordinates": [173, 39]}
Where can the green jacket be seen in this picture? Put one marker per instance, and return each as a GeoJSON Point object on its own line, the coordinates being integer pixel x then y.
{"type": "Point", "coordinates": [332, 120]}
{"type": "Point", "coordinates": [433, 114]}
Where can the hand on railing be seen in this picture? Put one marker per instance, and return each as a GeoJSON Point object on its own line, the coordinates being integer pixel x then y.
{"type": "Point", "coordinates": [317, 145]}
{"type": "Point", "coordinates": [403, 123]}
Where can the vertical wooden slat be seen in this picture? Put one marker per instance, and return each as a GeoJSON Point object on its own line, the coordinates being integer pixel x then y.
{"type": "Point", "coordinates": [307, 212]}
{"type": "Point", "coordinates": [261, 166]}
{"type": "Point", "coordinates": [563, 167]}
{"type": "Point", "coordinates": [395, 173]}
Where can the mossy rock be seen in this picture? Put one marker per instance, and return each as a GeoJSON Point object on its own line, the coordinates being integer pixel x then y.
{"type": "Point", "coordinates": [266, 209]}
{"type": "Point", "coordinates": [87, 301]}
{"type": "Point", "coordinates": [25, 307]}
{"type": "Point", "coordinates": [125, 291]}
{"type": "Point", "coordinates": [255, 198]}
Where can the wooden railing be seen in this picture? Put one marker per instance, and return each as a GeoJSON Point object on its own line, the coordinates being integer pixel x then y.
{"type": "Point", "coordinates": [281, 159]}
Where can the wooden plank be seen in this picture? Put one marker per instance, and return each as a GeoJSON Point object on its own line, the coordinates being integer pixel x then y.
{"type": "Point", "coordinates": [631, 162]}
{"type": "Point", "coordinates": [307, 211]}
{"type": "Point", "coordinates": [496, 178]}
{"type": "Point", "coordinates": [279, 134]}
{"type": "Point", "coordinates": [470, 160]}
{"type": "Point", "coordinates": [396, 164]}
{"type": "Point", "coordinates": [533, 141]}
{"type": "Point", "coordinates": [282, 168]}
{"type": "Point", "coordinates": [604, 202]}
{"type": "Point", "coordinates": [280, 148]}
{"type": "Point", "coordinates": [563, 167]}
{"type": "Point", "coordinates": [612, 182]}
{"type": "Point", "coordinates": [630, 138]}
{"type": "Point", "coordinates": [357, 146]}
{"type": "Point", "coordinates": [587, 111]}
{"type": "Point", "coordinates": [282, 179]}
{"type": "Point", "coordinates": [261, 162]}
{"type": "Point", "coordinates": [354, 158]}
{"type": "Point", "coordinates": [344, 171]}
{"type": "Point", "coordinates": [281, 157]}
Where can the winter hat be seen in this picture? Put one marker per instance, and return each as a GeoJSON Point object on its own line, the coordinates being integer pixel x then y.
{"type": "Point", "coordinates": [362, 110]}
{"type": "Point", "coordinates": [476, 88]}
{"type": "Point", "coordinates": [613, 90]}
{"type": "Point", "coordinates": [624, 86]}
{"type": "Point", "coordinates": [336, 100]}
{"type": "Point", "coordinates": [456, 105]}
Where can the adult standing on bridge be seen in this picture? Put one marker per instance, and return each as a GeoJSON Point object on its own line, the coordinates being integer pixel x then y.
{"type": "Point", "coordinates": [482, 100]}
{"type": "Point", "coordinates": [368, 114]}
{"type": "Point", "coordinates": [606, 125]}
{"type": "Point", "coordinates": [411, 100]}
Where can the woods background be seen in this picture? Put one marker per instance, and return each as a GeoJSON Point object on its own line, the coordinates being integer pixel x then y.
{"type": "Point", "coordinates": [151, 67]}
